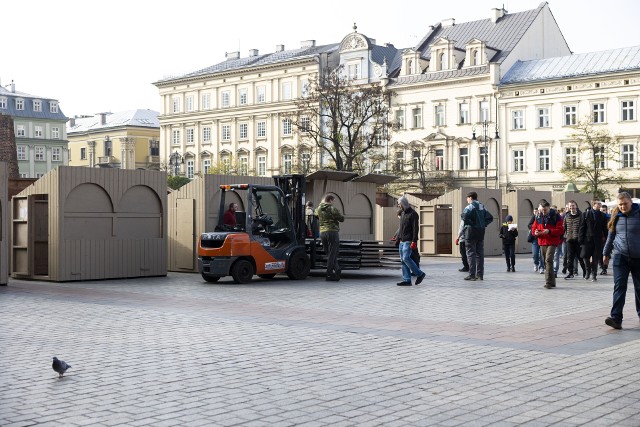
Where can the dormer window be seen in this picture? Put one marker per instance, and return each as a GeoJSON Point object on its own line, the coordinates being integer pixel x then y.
{"type": "Point", "coordinates": [476, 57]}
{"type": "Point", "coordinates": [53, 107]}
{"type": "Point", "coordinates": [442, 59]}
{"type": "Point", "coordinates": [477, 53]}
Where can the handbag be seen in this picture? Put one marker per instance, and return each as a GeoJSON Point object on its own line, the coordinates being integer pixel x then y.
{"type": "Point", "coordinates": [530, 237]}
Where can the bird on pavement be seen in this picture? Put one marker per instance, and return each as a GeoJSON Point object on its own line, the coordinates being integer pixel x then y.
{"type": "Point", "coordinates": [60, 366]}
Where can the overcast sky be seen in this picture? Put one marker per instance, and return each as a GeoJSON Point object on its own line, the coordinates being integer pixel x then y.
{"type": "Point", "coordinates": [96, 56]}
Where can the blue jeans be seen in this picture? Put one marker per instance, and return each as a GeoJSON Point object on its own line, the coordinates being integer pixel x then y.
{"type": "Point", "coordinates": [475, 256]}
{"type": "Point", "coordinates": [622, 266]}
{"type": "Point", "coordinates": [408, 266]}
{"type": "Point", "coordinates": [556, 258]}
{"type": "Point", "coordinates": [538, 261]}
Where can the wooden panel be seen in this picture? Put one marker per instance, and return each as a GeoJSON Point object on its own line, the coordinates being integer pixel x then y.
{"type": "Point", "coordinates": [443, 220]}
{"type": "Point", "coordinates": [20, 237]}
{"type": "Point", "coordinates": [40, 229]}
{"type": "Point", "coordinates": [185, 239]}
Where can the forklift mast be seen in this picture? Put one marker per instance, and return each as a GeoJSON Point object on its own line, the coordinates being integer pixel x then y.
{"type": "Point", "coordinates": [293, 187]}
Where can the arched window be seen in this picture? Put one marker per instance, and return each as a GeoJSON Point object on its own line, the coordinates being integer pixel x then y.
{"type": "Point", "coordinates": [476, 57]}
{"type": "Point", "coordinates": [443, 61]}
{"type": "Point", "coordinates": [410, 67]}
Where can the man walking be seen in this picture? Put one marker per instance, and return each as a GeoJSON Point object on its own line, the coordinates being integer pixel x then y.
{"type": "Point", "coordinates": [593, 231]}
{"type": "Point", "coordinates": [408, 238]}
{"type": "Point", "coordinates": [463, 250]}
{"type": "Point", "coordinates": [548, 228]}
{"type": "Point", "coordinates": [329, 217]}
{"type": "Point", "coordinates": [572, 221]}
{"type": "Point", "coordinates": [476, 218]}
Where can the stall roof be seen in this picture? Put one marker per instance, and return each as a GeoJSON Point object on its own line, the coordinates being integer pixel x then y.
{"type": "Point", "coordinates": [332, 175]}
{"type": "Point", "coordinates": [376, 178]}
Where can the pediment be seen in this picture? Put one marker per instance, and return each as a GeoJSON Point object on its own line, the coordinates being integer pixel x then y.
{"type": "Point", "coordinates": [439, 135]}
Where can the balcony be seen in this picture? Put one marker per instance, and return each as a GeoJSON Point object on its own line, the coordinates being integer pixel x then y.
{"type": "Point", "coordinates": [153, 159]}
{"type": "Point", "coordinates": [106, 160]}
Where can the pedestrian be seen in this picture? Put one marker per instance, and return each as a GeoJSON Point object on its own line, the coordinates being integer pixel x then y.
{"type": "Point", "coordinates": [572, 221]}
{"type": "Point", "coordinates": [538, 261]}
{"type": "Point", "coordinates": [329, 217]}
{"type": "Point", "coordinates": [593, 231]}
{"type": "Point", "coordinates": [408, 237]}
{"type": "Point", "coordinates": [415, 254]}
{"type": "Point", "coordinates": [462, 246]}
{"type": "Point", "coordinates": [623, 241]}
{"type": "Point", "coordinates": [311, 221]}
{"type": "Point", "coordinates": [605, 210]}
{"type": "Point", "coordinates": [508, 234]}
{"type": "Point", "coordinates": [559, 250]}
{"type": "Point", "coordinates": [229, 217]}
{"type": "Point", "coordinates": [476, 218]}
{"type": "Point", "coordinates": [548, 228]}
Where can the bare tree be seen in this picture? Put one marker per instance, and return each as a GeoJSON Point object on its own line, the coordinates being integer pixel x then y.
{"type": "Point", "coordinates": [420, 174]}
{"type": "Point", "coordinates": [595, 150]}
{"type": "Point", "coordinates": [342, 118]}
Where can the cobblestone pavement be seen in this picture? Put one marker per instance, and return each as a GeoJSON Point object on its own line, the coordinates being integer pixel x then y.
{"type": "Point", "coordinates": [178, 351]}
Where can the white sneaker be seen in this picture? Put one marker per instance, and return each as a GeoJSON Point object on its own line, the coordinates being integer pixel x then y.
{"type": "Point", "coordinates": [542, 271]}
{"type": "Point", "coordinates": [535, 268]}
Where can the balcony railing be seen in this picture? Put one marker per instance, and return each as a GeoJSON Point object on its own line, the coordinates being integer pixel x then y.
{"type": "Point", "coordinates": [106, 160]}
{"type": "Point", "coordinates": [153, 159]}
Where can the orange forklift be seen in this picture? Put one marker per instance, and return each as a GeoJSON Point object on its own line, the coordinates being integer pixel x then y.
{"type": "Point", "coordinates": [268, 238]}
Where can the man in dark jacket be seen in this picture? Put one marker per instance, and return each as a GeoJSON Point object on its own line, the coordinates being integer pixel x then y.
{"type": "Point", "coordinates": [408, 238]}
{"type": "Point", "coordinates": [593, 231]}
{"type": "Point", "coordinates": [330, 217]}
{"type": "Point", "coordinates": [572, 221]}
{"type": "Point", "coordinates": [508, 234]}
{"type": "Point", "coordinates": [624, 229]}
{"type": "Point", "coordinates": [548, 228]}
{"type": "Point", "coordinates": [476, 218]}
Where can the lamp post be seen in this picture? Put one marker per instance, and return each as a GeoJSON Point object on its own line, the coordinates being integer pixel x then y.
{"type": "Point", "coordinates": [485, 139]}
{"type": "Point", "coordinates": [176, 160]}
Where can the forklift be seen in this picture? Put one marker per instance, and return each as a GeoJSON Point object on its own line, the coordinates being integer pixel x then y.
{"type": "Point", "coordinates": [268, 238]}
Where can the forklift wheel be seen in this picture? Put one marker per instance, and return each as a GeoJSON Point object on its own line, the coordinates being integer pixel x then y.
{"type": "Point", "coordinates": [210, 278]}
{"type": "Point", "coordinates": [267, 276]}
{"type": "Point", "coordinates": [242, 271]}
{"type": "Point", "coordinates": [299, 266]}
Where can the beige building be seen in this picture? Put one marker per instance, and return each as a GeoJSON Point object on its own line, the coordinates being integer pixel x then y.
{"type": "Point", "coordinates": [125, 140]}
{"type": "Point", "coordinates": [541, 100]}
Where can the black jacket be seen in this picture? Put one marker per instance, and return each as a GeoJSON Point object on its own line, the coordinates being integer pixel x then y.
{"type": "Point", "coordinates": [508, 236]}
{"type": "Point", "coordinates": [593, 228]}
{"type": "Point", "coordinates": [408, 231]}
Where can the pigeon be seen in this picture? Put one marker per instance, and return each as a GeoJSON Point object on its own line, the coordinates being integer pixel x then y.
{"type": "Point", "coordinates": [60, 366]}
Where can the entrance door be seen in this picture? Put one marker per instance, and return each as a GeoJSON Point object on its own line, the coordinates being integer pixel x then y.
{"type": "Point", "coordinates": [185, 248]}
{"type": "Point", "coordinates": [443, 230]}
{"type": "Point", "coordinates": [40, 228]}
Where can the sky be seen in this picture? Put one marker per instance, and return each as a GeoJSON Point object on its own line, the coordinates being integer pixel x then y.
{"type": "Point", "coordinates": [99, 56]}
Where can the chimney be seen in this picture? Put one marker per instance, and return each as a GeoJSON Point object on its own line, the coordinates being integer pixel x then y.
{"type": "Point", "coordinates": [496, 14]}
{"type": "Point", "coordinates": [279, 47]}
{"type": "Point", "coordinates": [253, 52]}
{"type": "Point", "coordinates": [307, 43]}
{"type": "Point", "coordinates": [72, 122]}
{"type": "Point", "coordinates": [233, 55]}
{"type": "Point", "coordinates": [448, 22]}
{"type": "Point", "coordinates": [102, 118]}
{"type": "Point", "coordinates": [12, 87]}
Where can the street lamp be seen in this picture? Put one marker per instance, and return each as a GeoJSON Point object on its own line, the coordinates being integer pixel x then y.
{"type": "Point", "coordinates": [485, 139]}
{"type": "Point", "coordinates": [176, 160]}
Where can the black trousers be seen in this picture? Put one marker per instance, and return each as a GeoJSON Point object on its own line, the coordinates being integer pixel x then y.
{"type": "Point", "coordinates": [573, 252]}
{"type": "Point", "coordinates": [463, 254]}
{"type": "Point", "coordinates": [331, 245]}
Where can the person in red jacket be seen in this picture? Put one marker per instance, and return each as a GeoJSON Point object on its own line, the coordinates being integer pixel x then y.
{"type": "Point", "coordinates": [548, 228]}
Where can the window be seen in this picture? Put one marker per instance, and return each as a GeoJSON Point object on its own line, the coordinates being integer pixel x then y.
{"type": "Point", "coordinates": [242, 95]}
{"type": "Point", "coordinates": [22, 152]}
{"type": "Point", "coordinates": [304, 91]}
{"type": "Point", "coordinates": [262, 165]}
{"type": "Point", "coordinates": [464, 158]}
{"type": "Point", "coordinates": [39, 153]}
{"type": "Point", "coordinates": [287, 163]}
{"type": "Point", "coordinates": [189, 136]}
{"type": "Point", "coordinates": [543, 117]}
{"type": "Point", "coordinates": [53, 107]}
{"type": "Point", "coordinates": [55, 133]}
{"type": "Point", "coordinates": [517, 119]}
{"type": "Point", "coordinates": [226, 132]}
{"type": "Point", "coordinates": [399, 164]}
{"type": "Point", "coordinates": [56, 154]}
{"type": "Point", "coordinates": [416, 160]}
{"type": "Point", "coordinates": [189, 103]}
{"type": "Point", "coordinates": [598, 112]}
{"type": "Point", "coordinates": [261, 94]}
{"type": "Point", "coordinates": [400, 119]}
{"type": "Point", "coordinates": [484, 109]}
{"type": "Point", "coordinates": [83, 153]}
{"type": "Point", "coordinates": [628, 156]}
{"type": "Point", "coordinates": [154, 148]}
{"type": "Point", "coordinates": [544, 159]}
{"type": "Point", "coordinates": [190, 168]}
{"type": "Point", "coordinates": [244, 165]}
{"type": "Point", "coordinates": [417, 117]}
{"type": "Point", "coordinates": [39, 175]}
{"type": "Point", "coordinates": [107, 147]}
{"type": "Point", "coordinates": [20, 130]}
{"type": "Point", "coordinates": [484, 158]}
{"type": "Point", "coordinates": [206, 101]}
{"type": "Point", "coordinates": [443, 61]}
{"type": "Point", "coordinates": [37, 105]}
{"type": "Point", "coordinates": [206, 134]}
{"type": "Point", "coordinates": [176, 105]}
{"type": "Point", "coordinates": [3, 103]}
{"type": "Point", "coordinates": [244, 130]}
{"type": "Point", "coordinates": [518, 160]}
{"type": "Point", "coordinates": [19, 104]}
{"type": "Point", "coordinates": [439, 115]}
{"type": "Point", "coordinates": [206, 165]}
{"type": "Point", "coordinates": [628, 112]}
{"type": "Point", "coordinates": [570, 157]}
{"type": "Point", "coordinates": [464, 113]}
{"type": "Point", "coordinates": [286, 126]}
{"type": "Point", "coordinates": [439, 159]}
{"type": "Point", "coordinates": [226, 98]}
{"type": "Point", "coordinates": [37, 131]}
{"type": "Point", "coordinates": [305, 159]}
{"type": "Point", "coordinates": [353, 71]}
{"type": "Point", "coordinates": [570, 115]}
{"type": "Point", "coordinates": [599, 158]}
{"type": "Point", "coordinates": [286, 91]}
{"type": "Point", "coordinates": [305, 124]}
{"type": "Point", "coordinates": [261, 129]}
{"type": "Point", "coordinates": [176, 137]}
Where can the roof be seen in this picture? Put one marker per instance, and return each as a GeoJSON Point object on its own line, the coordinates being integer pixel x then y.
{"type": "Point", "coordinates": [502, 36]}
{"type": "Point", "coordinates": [258, 60]}
{"type": "Point", "coordinates": [137, 118]}
{"type": "Point", "coordinates": [576, 65]}
{"type": "Point", "coordinates": [440, 75]}
{"type": "Point", "coordinates": [27, 111]}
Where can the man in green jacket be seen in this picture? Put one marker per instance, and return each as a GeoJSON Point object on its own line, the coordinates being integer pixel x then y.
{"type": "Point", "coordinates": [330, 217]}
